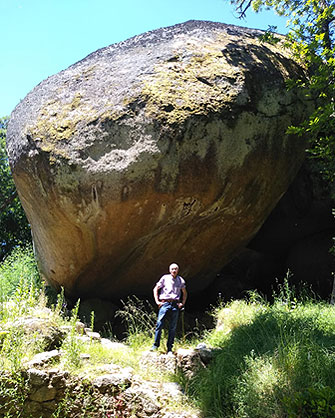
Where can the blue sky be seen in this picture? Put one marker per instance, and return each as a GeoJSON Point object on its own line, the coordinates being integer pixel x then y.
{"type": "Point", "coordinates": [43, 37]}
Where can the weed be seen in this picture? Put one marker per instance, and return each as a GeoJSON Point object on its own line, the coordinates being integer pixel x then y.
{"type": "Point", "coordinates": [140, 319]}
{"type": "Point", "coordinates": [19, 265]}
{"type": "Point", "coordinates": [20, 284]}
{"type": "Point", "coordinates": [12, 394]}
{"type": "Point", "coordinates": [63, 407]}
{"type": "Point", "coordinates": [60, 307]}
{"type": "Point", "coordinates": [92, 320]}
{"type": "Point", "coordinates": [72, 346]}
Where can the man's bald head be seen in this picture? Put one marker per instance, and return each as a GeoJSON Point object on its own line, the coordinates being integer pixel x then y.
{"type": "Point", "coordinates": [173, 269]}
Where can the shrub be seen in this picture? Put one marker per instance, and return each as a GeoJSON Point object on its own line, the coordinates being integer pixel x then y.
{"type": "Point", "coordinates": [312, 402]}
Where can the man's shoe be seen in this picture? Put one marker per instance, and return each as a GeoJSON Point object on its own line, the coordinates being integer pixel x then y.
{"type": "Point", "coordinates": [154, 348]}
{"type": "Point", "coordinates": [169, 353]}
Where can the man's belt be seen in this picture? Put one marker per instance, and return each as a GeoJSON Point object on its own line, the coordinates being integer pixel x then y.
{"type": "Point", "coordinates": [169, 300]}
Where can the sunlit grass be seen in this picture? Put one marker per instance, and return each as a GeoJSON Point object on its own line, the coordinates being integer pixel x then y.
{"type": "Point", "coordinates": [270, 359]}
{"type": "Point", "coordinates": [268, 354]}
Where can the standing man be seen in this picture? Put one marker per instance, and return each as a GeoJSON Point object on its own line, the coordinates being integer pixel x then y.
{"type": "Point", "coordinates": [167, 294]}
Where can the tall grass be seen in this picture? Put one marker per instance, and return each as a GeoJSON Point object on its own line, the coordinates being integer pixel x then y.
{"type": "Point", "coordinates": [139, 318]}
{"type": "Point", "coordinates": [272, 360]}
{"type": "Point", "coordinates": [20, 284]}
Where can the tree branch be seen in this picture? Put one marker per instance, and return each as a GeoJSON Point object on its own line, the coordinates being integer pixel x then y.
{"type": "Point", "coordinates": [242, 9]}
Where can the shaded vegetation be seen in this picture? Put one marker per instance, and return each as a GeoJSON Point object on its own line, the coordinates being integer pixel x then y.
{"type": "Point", "coordinates": [14, 228]}
{"type": "Point", "coordinates": [272, 360]}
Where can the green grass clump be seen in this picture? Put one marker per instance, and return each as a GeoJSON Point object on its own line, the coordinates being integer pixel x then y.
{"type": "Point", "coordinates": [19, 279]}
{"type": "Point", "coordinates": [20, 291]}
{"type": "Point", "coordinates": [272, 360]}
{"type": "Point", "coordinates": [19, 265]}
{"type": "Point", "coordinates": [140, 320]}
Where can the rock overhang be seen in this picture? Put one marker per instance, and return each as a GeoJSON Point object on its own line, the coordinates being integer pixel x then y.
{"type": "Point", "coordinates": [177, 135]}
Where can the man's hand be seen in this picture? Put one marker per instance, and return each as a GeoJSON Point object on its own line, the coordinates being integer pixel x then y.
{"type": "Point", "coordinates": [156, 297]}
{"type": "Point", "coordinates": [184, 292]}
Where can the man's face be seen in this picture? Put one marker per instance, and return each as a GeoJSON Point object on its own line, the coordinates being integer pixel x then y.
{"type": "Point", "coordinates": [174, 270]}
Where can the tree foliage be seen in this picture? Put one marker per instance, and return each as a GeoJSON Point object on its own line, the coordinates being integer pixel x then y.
{"type": "Point", "coordinates": [312, 40]}
{"type": "Point", "coordinates": [14, 228]}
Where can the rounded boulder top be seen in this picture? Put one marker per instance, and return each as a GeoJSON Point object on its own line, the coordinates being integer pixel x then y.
{"type": "Point", "coordinates": [170, 145]}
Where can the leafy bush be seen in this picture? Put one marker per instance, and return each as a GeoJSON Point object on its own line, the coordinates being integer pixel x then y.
{"type": "Point", "coordinates": [312, 402]}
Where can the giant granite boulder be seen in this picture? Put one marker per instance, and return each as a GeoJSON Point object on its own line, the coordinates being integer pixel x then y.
{"type": "Point", "coordinates": [169, 146]}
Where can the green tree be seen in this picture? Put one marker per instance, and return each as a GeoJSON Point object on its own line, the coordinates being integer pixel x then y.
{"type": "Point", "coordinates": [14, 227]}
{"type": "Point", "coordinates": [311, 38]}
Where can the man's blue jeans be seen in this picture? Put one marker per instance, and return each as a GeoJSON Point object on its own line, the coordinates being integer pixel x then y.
{"type": "Point", "coordinates": [164, 310]}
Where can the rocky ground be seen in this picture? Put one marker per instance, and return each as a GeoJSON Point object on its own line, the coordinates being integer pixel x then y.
{"type": "Point", "coordinates": [47, 388]}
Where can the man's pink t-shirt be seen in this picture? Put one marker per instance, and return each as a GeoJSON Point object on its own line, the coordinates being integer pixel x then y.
{"type": "Point", "coordinates": [170, 287]}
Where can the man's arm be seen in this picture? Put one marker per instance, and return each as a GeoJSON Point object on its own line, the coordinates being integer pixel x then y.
{"type": "Point", "coordinates": [158, 302]}
{"type": "Point", "coordinates": [184, 294]}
